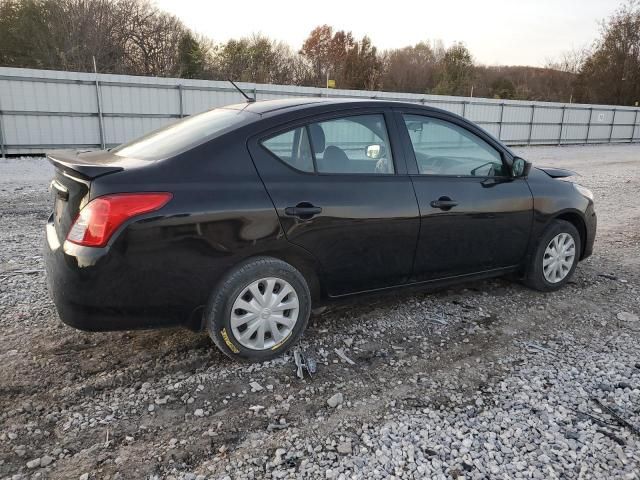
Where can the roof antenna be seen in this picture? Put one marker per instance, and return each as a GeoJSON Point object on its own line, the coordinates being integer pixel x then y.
{"type": "Point", "coordinates": [249, 99]}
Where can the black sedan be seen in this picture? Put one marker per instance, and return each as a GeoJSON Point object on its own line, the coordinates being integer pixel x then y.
{"type": "Point", "coordinates": [240, 219]}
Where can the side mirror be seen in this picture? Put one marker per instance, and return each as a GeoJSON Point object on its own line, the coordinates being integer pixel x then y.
{"type": "Point", "coordinates": [374, 151]}
{"type": "Point", "coordinates": [520, 167]}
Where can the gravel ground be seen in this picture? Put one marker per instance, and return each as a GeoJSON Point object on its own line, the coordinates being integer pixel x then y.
{"type": "Point", "coordinates": [483, 380]}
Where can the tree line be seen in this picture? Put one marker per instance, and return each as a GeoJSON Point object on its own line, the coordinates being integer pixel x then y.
{"type": "Point", "coordinates": [134, 37]}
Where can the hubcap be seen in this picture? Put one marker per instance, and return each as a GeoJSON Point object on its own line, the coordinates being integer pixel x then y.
{"type": "Point", "coordinates": [558, 257]}
{"type": "Point", "coordinates": [265, 313]}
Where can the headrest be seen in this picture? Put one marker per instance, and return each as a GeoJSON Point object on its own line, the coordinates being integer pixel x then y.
{"type": "Point", "coordinates": [335, 160]}
{"type": "Point", "coordinates": [317, 138]}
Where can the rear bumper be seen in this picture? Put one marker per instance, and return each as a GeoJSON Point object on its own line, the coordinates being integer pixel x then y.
{"type": "Point", "coordinates": [95, 289]}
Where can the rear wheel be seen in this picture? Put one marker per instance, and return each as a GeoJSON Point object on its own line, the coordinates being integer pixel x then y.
{"type": "Point", "coordinates": [556, 257]}
{"type": "Point", "coordinates": [259, 309]}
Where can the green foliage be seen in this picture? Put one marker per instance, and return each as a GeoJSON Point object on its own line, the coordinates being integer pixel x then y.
{"type": "Point", "coordinates": [361, 67]}
{"type": "Point", "coordinates": [257, 59]}
{"type": "Point", "coordinates": [503, 88]}
{"type": "Point", "coordinates": [25, 33]}
{"type": "Point", "coordinates": [192, 57]}
{"type": "Point", "coordinates": [456, 71]}
{"type": "Point", "coordinates": [124, 36]}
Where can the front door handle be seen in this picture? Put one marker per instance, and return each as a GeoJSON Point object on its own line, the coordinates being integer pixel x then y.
{"type": "Point", "coordinates": [303, 210]}
{"type": "Point", "coordinates": [444, 203]}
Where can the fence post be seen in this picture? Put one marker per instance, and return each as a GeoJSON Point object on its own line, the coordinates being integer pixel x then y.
{"type": "Point", "coordinates": [100, 119]}
{"type": "Point", "coordinates": [180, 101]}
{"type": "Point", "coordinates": [533, 114]}
{"type": "Point", "coordinates": [613, 122]}
{"type": "Point", "coordinates": [500, 122]}
{"type": "Point", "coordinates": [464, 109]}
{"type": "Point", "coordinates": [586, 140]}
{"type": "Point", "coordinates": [2, 147]}
{"type": "Point", "coordinates": [564, 110]}
{"type": "Point", "coordinates": [633, 130]}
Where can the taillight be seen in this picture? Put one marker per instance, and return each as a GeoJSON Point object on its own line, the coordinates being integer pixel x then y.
{"type": "Point", "coordinates": [102, 216]}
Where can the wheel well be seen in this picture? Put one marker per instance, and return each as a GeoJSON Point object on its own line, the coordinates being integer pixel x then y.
{"type": "Point", "coordinates": [577, 221]}
{"type": "Point", "coordinates": [196, 320]}
{"type": "Point", "coordinates": [305, 266]}
{"type": "Point", "coordinates": [308, 270]}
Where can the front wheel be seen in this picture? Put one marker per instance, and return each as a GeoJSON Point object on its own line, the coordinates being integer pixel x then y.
{"type": "Point", "coordinates": [259, 309]}
{"type": "Point", "coordinates": [555, 258]}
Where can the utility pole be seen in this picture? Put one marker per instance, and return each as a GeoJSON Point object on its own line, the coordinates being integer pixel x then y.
{"type": "Point", "coordinates": [327, 84]}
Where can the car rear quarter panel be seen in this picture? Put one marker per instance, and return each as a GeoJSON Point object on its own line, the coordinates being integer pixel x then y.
{"type": "Point", "coordinates": [171, 260]}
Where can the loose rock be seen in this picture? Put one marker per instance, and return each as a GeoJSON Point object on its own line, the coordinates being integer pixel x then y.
{"type": "Point", "coordinates": [627, 317]}
{"type": "Point", "coordinates": [335, 400]}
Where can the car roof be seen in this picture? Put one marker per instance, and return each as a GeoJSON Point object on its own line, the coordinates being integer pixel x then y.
{"type": "Point", "coordinates": [265, 109]}
{"type": "Point", "coordinates": [269, 107]}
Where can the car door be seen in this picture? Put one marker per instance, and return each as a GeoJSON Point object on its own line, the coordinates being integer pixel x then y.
{"type": "Point", "coordinates": [341, 190]}
{"type": "Point", "coordinates": [475, 216]}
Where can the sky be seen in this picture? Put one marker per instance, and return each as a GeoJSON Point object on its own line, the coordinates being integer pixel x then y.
{"type": "Point", "coordinates": [498, 32]}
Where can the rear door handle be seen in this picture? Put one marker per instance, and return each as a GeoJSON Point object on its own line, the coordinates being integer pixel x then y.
{"type": "Point", "coordinates": [303, 211]}
{"type": "Point", "coordinates": [444, 203]}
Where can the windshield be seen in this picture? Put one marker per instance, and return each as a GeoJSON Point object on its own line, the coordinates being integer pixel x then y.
{"type": "Point", "coordinates": [184, 134]}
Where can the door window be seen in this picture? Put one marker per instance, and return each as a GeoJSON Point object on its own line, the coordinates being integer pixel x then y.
{"type": "Point", "coordinates": [443, 148]}
{"type": "Point", "coordinates": [356, 144]}
{"type": "Point", "coordinates": [292, 148]}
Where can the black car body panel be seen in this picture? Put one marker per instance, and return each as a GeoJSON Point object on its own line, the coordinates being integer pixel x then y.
{"type": "Point", "coordinates": [559, 199]}
{"type": "Point", "coordinates": [365, 237]}
{"type": "Point", "coordinates": [488, 229]}
{"type": "Point", "coordinates": [230, 200]}
{"type": "Point", "coordinates": [557, 172]}
{"type": "Point", "coordinates": [160, 269]}
{"type": "Point", "coordinates": [89, 166]}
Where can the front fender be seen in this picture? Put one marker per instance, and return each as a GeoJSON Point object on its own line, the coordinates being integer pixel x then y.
{"type": "Point", "coordinates": [558, 199]}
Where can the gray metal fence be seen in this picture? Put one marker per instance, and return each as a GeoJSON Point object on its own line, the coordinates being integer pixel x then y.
{"type": "Point", "coordinates": [43, 109]}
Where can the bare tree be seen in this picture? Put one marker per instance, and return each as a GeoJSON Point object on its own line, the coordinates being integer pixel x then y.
{"type": "Point", "coordinates": [410, 69]}
{"type": "Point", "coordinates": [611, 73]}
{"type": "Point", "coordinates": [135, 37]}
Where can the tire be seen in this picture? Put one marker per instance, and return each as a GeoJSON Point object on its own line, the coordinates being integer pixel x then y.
{"type": "Point", "coordinates": [248, 335]}
{"type": "Point", "coordinates": [550, 279]}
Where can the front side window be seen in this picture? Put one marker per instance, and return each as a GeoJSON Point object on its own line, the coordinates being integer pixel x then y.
{"type": "Point", "coordinates": [443, 148]}
{"type": "Point", "coordinates": [357, 144]}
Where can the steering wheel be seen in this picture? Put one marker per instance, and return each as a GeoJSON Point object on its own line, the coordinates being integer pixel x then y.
{"type": "Point", "coordinates": [439, 163]}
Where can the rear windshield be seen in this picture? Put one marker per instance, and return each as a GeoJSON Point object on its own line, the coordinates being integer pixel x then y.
{"type": "Point", "coordinates": [182, 135]}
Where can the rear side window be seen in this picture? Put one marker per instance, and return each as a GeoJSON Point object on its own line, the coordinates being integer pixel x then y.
{"type": "Point", "coordinates": [180, 136]}
{"type": "Point", "coordinates": [292, 148]}
{"type": "Point", "coordinates": [355, 144]}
